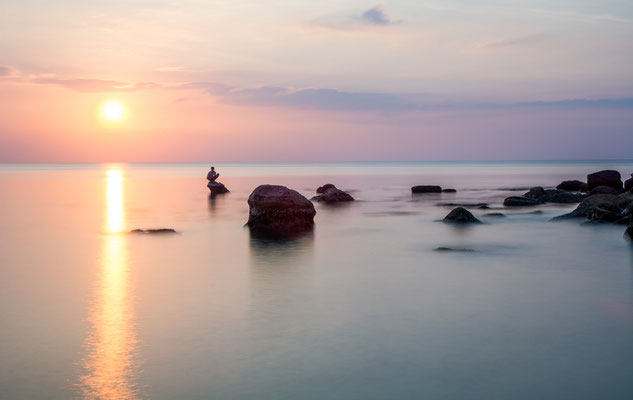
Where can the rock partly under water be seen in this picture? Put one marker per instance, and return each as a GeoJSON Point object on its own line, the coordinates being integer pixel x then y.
{"type": "Point", "coordinates": [332, 195]}
{"type": "Point", "coordinates": [572, 186]}
{"type": "Point", "coordinates": [217, 188]}
{"type": "Point", "coordinates": [322, 189]}
{"type": "Point", "coordinates": [453, 249]}
{"type": "Point", "coordinates": [628, 184]}
{"type": "Point", "coordinates": [462, 216]}
{"type": "Point", "coordinates": [520, 201]}
{"type": "Point", "coordinates": [160, 231]}
{"type": "Point", "coordinates": [426, 189]}
{"type": "Point", "coordinates": [276, 211]}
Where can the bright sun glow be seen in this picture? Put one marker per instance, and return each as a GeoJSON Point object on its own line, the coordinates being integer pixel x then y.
{"type": "Point", "coordinates": [113, 110]}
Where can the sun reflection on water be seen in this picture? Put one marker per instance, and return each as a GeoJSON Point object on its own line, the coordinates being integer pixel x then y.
{"type": "Point", "coordinates": [110, 365]}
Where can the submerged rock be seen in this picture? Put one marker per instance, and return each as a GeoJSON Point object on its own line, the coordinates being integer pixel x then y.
{"type": "Point", "coordinates": [465, 205]}
{"type": "Point", "coordinates": [520, 201]}
{"type": "Point", "coordinates": [454, 249]}
{"type": "Point", "coordinates": [495, 215]}
{"type": "Point", "coordinates": [607, 177]}
{"type": "Point", "coordinates": [449, 191]}
{"type": "Point", "coordinates": [462, 216]}
{"type": "Point", "coordinates": [426, 189]}
{"type": "Point", "coordinates": [572, 186]}
{"type": "Point", "coordinates": [153, 231]}
{"type": "Point", "coordinates": [333, 195]}
{"type": "Point", "coordinates": [276, 211]}
{"type": "Point", "coordinates": [217, 188]}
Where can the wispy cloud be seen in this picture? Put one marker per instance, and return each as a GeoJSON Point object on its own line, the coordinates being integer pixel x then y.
{"type": "Point", "coordinates": [97, 85]}
{"type": "Point", "coordinates": [519, 41]}
{"type": "Point", "coordinates": [325, 99]}
{"type": "Point", "coordinates": [7, 71]}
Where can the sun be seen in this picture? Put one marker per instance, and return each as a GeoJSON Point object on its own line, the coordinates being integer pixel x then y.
{"type": "Point", "coordinates": [113, 111]}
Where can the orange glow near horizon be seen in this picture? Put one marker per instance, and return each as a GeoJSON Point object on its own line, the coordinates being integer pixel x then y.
{"type": "Point", "coordinates": [111, 346]}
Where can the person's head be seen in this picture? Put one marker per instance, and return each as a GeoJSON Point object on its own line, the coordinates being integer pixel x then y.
{"type": "Point", "coordinates": [212, 168]}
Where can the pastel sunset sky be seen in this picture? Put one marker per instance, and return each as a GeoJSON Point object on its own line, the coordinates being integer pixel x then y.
{"type": "Point", "coordinates": [205, 80]}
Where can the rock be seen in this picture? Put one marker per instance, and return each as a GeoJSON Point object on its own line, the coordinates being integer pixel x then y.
{"type": "Point", "coordinates": [426, 189]}
{"type": "Point", "coordinates": [535, 193]}
{"type": "Point", "coordinates": [449, 191]}
{"type": "Point", "coordinates": [602, 190]}
{"type": "Point", "coordinates": [572, 186]}
{"type": "Point", "coordinates": [322, 189]}
{"type": "Point", "coordinates": [520, 201]}
{"type": "Point", "coordinates": [462, 216]}
{"type": "Point", "coordinates": [604, 201]}
{"type": "Point", "coordinates": [276, 211]}
{"type": "Point", "coordinates": [553, 196]}
{"type": "Point", "coordinates": [465, 205]}
{"type": "Point", "coordinates": [607, 177]}
{"type": "Point", "coordinates": [217, 188]}
{"type": "Point", "coordinates": [333, 195]}
{"type": "Point", "coordinates": [153, 231]}
{"type": "Point", "coordinates": [604, 214]}
{"type": "Point", "coordinates": [628, 184]}
{"type": "Point", "coordinates": [495, 215]}
{"type": "Point", "coordinates": [455, 249]}
{"type": "Point", "coordinates": [629, 232]}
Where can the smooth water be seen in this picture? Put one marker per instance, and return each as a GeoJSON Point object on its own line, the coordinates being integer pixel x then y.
{"type": "Point", "coordinates": [361, 309]}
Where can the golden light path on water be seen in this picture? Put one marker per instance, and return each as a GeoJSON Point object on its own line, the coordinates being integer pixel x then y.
{"type": "Point", "coordinates": [110, 362]}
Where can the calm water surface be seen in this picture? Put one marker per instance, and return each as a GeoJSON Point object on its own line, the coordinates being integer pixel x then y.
{"type": "Point", "coordinates": [361, 309]}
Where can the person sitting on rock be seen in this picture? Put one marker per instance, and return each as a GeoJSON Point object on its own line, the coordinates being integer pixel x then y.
{"type": "Point", "coordinates": [212, 175]}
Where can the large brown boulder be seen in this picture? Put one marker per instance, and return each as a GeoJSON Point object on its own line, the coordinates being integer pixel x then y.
{"type": "Point", "coordinates": [607, 177]}
{"type": "Point", "coordinates": [276, 211]}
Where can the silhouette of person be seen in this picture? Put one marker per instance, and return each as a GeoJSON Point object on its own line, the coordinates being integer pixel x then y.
{"type": "Point", "coordinates": [212, 175]}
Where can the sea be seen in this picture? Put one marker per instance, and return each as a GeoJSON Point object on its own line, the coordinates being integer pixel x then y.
{"type": "Point", "coordinates": [364, 307]}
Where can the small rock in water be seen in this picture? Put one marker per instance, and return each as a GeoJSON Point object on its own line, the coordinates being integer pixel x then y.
{"type": "Point", "coordinates": [154, 231]}
{"type": "Point", "coordinates": [520, 201]}
{"type": "Point", "coordinates": [426, 189]}
{"type": "Point", "coordinates": [465, 205]}
{"type": "Point", "coordinates": [449, 191]}
{"type": "Point", "coordinates": [572, 186]}
{"type": "Point", "coordinates": [217, 188]}
{"type": "Point", "coordinates": [322, 189]}
{"type": "Point", "coordinates": [456, 249]}
{"type": "Point", "coordinates": [495, 215]}
{"type": "Point", "coordinates": [332, 195]}
{"type": "Point", "coordinates": [461, 215]}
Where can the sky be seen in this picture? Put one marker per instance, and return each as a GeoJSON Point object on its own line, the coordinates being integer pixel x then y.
{"type": "Point", "coordinates": [282, 80]}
